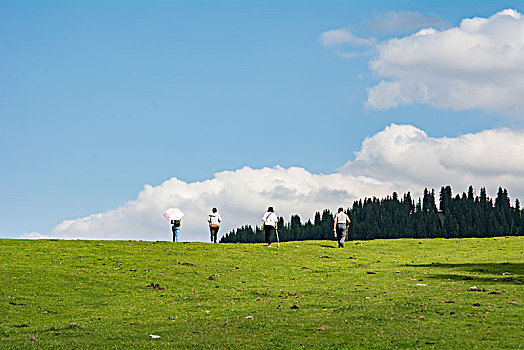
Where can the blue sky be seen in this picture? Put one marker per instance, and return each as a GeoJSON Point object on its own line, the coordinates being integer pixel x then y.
{"type": "Point", "coordinates": [99, 98]}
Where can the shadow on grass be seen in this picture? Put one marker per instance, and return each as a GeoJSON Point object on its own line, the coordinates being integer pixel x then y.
{"type": "Point", "coordinates": [328, 246]}
{"type": "Point", "coordinates": [500, 279]}
{"type": "Point", "coordinates": [506, 273]}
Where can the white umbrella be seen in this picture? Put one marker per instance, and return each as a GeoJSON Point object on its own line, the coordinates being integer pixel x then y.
{"type": "Point", "coordinates": [173, 214]}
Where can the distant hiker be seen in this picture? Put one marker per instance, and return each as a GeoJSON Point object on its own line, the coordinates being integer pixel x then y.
{"type": "Point", "coordinates": [176, 228]}
{"type": "Point", "coordinates": [269, 224]}
{"type": "Point", "coordinates": [174, 215]}
{"type": "Point", "coordinates": [214, 221]}
{"type": "Point", "coordinates": [340, 226]}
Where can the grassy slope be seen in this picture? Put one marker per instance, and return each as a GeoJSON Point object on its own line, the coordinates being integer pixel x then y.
{"type": "Point", "coordinates": [73, 294]}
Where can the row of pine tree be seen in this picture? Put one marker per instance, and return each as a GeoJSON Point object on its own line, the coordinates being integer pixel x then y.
{"type": "Point", "coordinates": [461, 216]}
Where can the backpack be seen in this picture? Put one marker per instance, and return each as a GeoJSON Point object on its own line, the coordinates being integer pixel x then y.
{"type": "Point", "coordinates": [176, 223]}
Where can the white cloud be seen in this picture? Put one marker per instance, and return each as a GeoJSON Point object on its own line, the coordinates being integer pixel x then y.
{"type": "Point", "coordinates": [399, 158]}
{"type": "Point", "coordinates": [403, 154]}
{"type": "Point", "coordinates": [476, 65]}
{"type": "Point", "coordinates": [393, 22]}
{"type": "Point", "coordinates": [241, 197]}
{"type": "Point", "coordinates": [340, 38]}
{"type": "Point", "coordinates": [401, 22]}
{"type": "Point", "coordinates": [35, 235]}
{"type": "Point", "coordinates": [344, 36]}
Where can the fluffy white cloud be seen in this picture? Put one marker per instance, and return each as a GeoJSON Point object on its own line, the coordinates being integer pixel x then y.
{"type": "Point", "coordinates": [399, 158]}
{"type": "Point", "coordinates": [403, 154]}
{"type": "Point", "coordinates": [476, 65]}
{"type": "Point", "coordinates": [242, 196]}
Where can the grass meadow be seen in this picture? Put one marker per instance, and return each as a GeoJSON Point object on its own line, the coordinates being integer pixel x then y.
{"type": "Point", "coordinates": [381, 294]}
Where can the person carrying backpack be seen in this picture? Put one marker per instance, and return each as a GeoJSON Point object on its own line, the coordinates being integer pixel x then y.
{"type": "Point", "coordinates": [269, 224]}
{"type": "Point", "coordinates": [174, 215]}
{"type": "Point", "coordinates": [340, 226]}
{"type": "Point", "coordinates": [214, 221]}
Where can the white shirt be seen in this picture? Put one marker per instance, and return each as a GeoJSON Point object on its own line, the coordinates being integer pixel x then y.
{"type": "Point", "coordinates": [341, 218]}
{"type": "Point", "coordinates": [214, 219]}
{"type": "Point", "coordinates": [270, 218]}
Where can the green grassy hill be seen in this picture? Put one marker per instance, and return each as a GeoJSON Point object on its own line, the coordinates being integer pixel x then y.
{"type": "Point", "coordinates": [378, 294]}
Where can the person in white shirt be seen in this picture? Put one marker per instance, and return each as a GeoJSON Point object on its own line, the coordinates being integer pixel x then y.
{"type": "Point", "coordinates": [214, 221]}
{"type": "Point", "coordinates": [269, 224]}
{"type": "Point", "coordinates": [340, 226]}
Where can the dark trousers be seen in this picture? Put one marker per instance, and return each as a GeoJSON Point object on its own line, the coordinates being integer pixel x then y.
{"type": "Point", "coordinates": [341, 234]}
{"type": "Point", "coordinates": [214, 232]}
{"type": "Point", "coordinates": [270, 231]}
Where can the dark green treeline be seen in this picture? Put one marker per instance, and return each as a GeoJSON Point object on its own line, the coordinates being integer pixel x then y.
{"type": "Point", "coordinates": [458, 216]}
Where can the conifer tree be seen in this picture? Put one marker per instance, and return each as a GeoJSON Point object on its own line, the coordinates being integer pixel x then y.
{"type": "Point", "coordinates": [460, 216]}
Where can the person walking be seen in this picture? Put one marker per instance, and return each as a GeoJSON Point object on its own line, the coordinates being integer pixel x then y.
{"type": "Point", "coordinates": [269, 224]}
{"type": "Point", "coordinates": [214, 221]}
{"type": "Point", "coordinates": [340, 227]}
{"type": "Point", "coordinates": [174, 215]}
{"type": "Point", "coordinates": [176, 228]}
